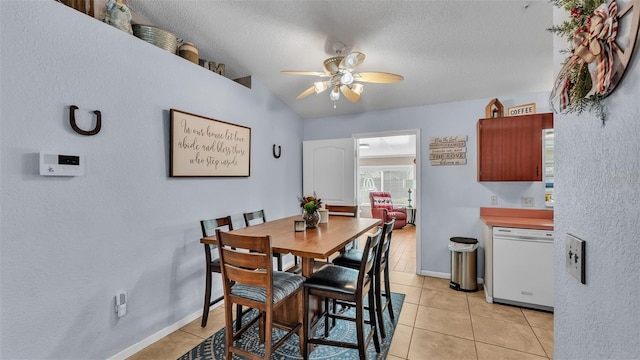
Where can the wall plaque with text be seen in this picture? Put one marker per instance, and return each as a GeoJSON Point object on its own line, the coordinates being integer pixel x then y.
{"type": "Point", "coordinates": [202, 146]}
{"type": "Point", "coordinates": [448, 150]}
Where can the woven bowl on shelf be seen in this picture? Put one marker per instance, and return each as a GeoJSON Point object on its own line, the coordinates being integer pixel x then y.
{"type": "Point", "coordinates": [156, 36]}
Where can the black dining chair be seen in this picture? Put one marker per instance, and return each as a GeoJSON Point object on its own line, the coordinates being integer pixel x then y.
{"type": "Point", "coordinates": [346, 287]}
{"type": "Point", "coordinates": [209, 227]}
{"type": "Point", "coordinates": [345, 210]}
{"type": "Point", "coordinates": [353, 259]}
{"type": "Point", "coordinates": [257, 217]}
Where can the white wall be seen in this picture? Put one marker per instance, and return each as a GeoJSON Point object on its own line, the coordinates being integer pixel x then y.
{"type": "Point", "coordinates": [69, 244]}
{"type": "Point", "coordinates": [597, 184]}
{"type": "Point", "coordinates": [450, 197]}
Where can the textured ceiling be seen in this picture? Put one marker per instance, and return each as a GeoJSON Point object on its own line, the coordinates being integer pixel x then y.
{"type": "Point", "coordinates": [446, 50]}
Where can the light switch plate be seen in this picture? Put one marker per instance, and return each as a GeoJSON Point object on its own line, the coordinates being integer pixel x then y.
{"type": "Point", "coordinates": [527, 201]}
{"type": "Point", "coordinates": [575, 259]}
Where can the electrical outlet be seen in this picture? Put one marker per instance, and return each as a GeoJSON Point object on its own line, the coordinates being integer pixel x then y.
{"type": "Point", "coordinates": [575, 257]}
{"type": "Point", "coordinates": [494, 199]}
{"type": "Point", "coordinates": [121, 304]}
{"type": "Point", "coordinates": [527, 201]}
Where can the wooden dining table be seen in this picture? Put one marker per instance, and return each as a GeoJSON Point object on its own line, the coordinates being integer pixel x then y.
{"type": "Point", "coordinates": [314, 243]}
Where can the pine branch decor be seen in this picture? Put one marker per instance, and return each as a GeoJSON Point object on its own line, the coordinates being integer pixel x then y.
{"type": "Point", "coordinates": [585, 78]}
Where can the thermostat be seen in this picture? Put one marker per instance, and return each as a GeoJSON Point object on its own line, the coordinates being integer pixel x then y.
{"type": "Point", "coordinates": [61, 165]}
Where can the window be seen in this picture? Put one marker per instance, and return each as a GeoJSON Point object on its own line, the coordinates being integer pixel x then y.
{"type": "Point", "coordinates": [384, 178]}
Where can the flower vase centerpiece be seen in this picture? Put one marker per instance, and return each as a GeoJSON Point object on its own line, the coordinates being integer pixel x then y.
{"type": "Point", "coordinates": [310, 205]}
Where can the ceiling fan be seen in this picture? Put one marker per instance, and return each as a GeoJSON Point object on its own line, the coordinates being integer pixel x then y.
{"type": "Point", "coordinates": [342, 78]}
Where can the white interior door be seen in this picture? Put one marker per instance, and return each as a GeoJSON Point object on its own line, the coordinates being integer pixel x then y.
{"type": "Point", "coordinates": [328, 169]}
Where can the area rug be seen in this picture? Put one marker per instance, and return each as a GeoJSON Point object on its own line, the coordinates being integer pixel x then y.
{"type": "Point", "coordinates": [213, 348]}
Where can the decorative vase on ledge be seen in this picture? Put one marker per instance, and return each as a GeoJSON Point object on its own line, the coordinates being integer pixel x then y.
{"type": "Point", "coordinates": [311, 219]}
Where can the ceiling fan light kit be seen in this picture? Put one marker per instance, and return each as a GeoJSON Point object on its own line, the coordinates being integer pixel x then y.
{"type": "Point", "coordinates": [342, 79]}
{"type": "Point", "coordinates": [346, 78]}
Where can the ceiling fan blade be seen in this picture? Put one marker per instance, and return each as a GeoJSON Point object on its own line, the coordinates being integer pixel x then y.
{"type": "Point", "coordinates": [350, 94]}
{"type": "Point", "coordinates": [310, 73]}
{"type": "Point", "coordinates": [378, 77]}
{"type": "Point", "coordinates": [306, 93]}
{"type": "Point", "coordinates": [352, 61]}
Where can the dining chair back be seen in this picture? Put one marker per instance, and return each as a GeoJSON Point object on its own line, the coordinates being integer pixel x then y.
{"type": "Point", "coordinates": [258, 217]}
{"type": "Point", "coordinates": [343, 210]}
{"type": "Point", "coordinates": [208, 228]}
{"type": "Point", "coordinates": [382, 274]}
{"type": "Point", "coordinates": [353, 259]}
{"type": "Point", "coordinates": [347, 287]}
{"type": "Point", "coordinates": [249, 279]}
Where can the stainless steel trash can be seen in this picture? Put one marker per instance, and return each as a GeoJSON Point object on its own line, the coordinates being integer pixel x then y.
{"type": "Point", "coordinates": [464, 259]}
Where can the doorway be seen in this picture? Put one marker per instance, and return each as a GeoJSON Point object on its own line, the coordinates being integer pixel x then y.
{"type": "Point", "coordinates": [390, 161]}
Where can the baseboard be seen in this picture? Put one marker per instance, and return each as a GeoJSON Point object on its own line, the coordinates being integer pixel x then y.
{"type": "Point", "coordinates": [444, 275]}
{"type": "Point", "coordinates": [131, 350]}
{"type": "Point", "coordinates": [487, 297]}
{"type": "Point", "coordinates": [435, 274]}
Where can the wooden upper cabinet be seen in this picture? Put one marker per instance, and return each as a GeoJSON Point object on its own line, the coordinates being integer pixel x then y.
{"type": "Point", "coordinates": [510, 148]}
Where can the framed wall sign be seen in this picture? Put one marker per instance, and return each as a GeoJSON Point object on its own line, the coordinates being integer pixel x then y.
{"type": "Point", "coordinates": [202, 146]}
{"type": "Point", "coordinates": [526, 109]}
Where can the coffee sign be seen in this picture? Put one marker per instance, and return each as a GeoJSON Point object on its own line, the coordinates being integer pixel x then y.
{"type": "Point", "coordinates": [526, 109]}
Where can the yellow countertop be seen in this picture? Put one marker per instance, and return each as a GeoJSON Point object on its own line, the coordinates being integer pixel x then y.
{"type": "Point", "coordinates": [518, 218]}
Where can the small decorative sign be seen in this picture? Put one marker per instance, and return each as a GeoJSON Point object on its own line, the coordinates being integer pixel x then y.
{"type": "Point", "coordinates": [213, 66]}
{"type": "Point", "coordinates": [526, 109]}
{"type": "Point", "coordinates": [299, 225]}
{"type": "Point", "coordinates": [207, 147]}
{"type": "Point", "coordinates": [448, 150]}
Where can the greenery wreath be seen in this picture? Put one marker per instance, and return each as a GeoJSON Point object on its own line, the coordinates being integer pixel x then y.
{"type": "Point", "coordinates": [575, 89]}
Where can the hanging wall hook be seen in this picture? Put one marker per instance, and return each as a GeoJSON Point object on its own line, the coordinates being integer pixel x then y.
{"type": "Point", "coordinates": [74, 126]}
{"type": "Point", "coordinates": [277, 155]}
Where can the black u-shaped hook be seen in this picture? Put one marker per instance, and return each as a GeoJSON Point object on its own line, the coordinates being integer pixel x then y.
{"type": "Point", "coordinates": [277, 155]}
{"type": "Point", "coordinates": [74, 126]}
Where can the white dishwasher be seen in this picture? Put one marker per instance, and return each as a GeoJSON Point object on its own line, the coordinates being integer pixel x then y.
{"type": "Point", "coordinates": [523, 267]}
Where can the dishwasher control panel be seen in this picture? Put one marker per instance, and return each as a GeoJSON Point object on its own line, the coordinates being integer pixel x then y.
{"type": "Point", "coordinates": [517, 233]}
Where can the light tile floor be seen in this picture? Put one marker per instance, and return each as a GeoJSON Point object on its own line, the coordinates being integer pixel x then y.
{"type": "Point", "coordinates": [435, 323]}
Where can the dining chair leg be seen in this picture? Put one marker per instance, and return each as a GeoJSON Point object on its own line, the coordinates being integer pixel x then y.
{"type": "Point", "coordinates": [301, 311]}
{"type": "Point", "coordinates": [372, 318]}
{"type": "Point", "coordinates": [305, 325]}
{"type": "Point", "coordinates": [238, 317]}
{"type": "Point", "coordinates": [229, 333]}
{"type": "Point", "coordinates": [379, 304]}
{"type": "Point", "coordinates": [207, 298]}
{"type": "Point", "coordinates": [333, 320]}
{"type": "Point", "coordinates": [268, 333]}
{"type": "Point", "coordinates": [262, 334]}
{"type": "Point", "coordinates": [328, 311]}
{"type": "Point", "coordinates": [360, 329]}
{"type": "Point", "coordinates": [387, 293]}
{"type": "Point", "coordinates": [279, 260]}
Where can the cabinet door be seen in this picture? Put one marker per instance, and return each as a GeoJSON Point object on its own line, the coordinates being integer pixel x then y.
{"type": "Point", "coordinates": [510, 148]}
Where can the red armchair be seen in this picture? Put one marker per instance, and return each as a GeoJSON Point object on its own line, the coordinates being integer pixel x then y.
{"type": "Point", "coordinates": [382, 208]}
